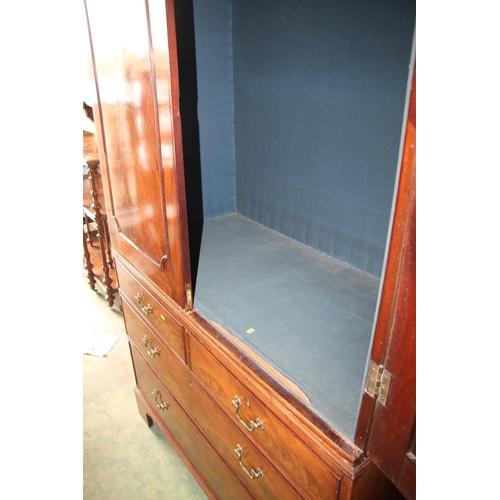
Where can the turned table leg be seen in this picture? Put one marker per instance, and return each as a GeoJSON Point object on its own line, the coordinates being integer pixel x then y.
{"type": "Point", "coordinates": [88, 264]}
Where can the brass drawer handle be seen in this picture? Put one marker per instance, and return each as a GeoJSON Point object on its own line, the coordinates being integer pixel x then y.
{"type": "Point", "coordinates": [254, 424]}
{"type": "Point", "coordinates": [147, 309]}
{"type": "Point", "coordinates": [151, 352]}
{"type": "Point", "coordinates": [252, 473]}
{"type": "Point", "coordinates": [161, 405]}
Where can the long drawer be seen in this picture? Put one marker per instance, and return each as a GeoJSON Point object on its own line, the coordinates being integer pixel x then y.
{"type": "Point", "coordinates": [253, 417]}
{"type": "Point", "coordinates": [261, 477]}
{"type": "Point", "coordinates": [247, 462]}
{"type": "Point", "coordinates": [151, 310]}
{"type": "Point", "coordinates": [200, 453]}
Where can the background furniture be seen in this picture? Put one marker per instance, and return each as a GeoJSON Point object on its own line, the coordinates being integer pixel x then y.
{"type": "Point", "coordinates": [260, 185]}
{"type": "Point", "coordinates": [97, 260]}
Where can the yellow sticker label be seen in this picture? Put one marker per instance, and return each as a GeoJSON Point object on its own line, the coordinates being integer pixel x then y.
{"type": "Point", "coordinates": [162, 317]}
{"type": "Point", "coordinates": [251, 330]}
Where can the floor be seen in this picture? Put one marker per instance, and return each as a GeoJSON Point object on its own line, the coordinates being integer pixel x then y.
{"type": "Point", "coordinates": [122, 458]}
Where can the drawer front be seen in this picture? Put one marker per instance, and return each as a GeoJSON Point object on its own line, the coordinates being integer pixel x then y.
{"type": "Point", "coordinates": [151, 311]}
{"type": "Point", "coordinates": [165, 363]}
{"type": "Point", "coordinates": [253, 417]}
{"type": "Point", "coordinates": [254, 469]}
{"type": "Point", "coordinates": [199, 451]}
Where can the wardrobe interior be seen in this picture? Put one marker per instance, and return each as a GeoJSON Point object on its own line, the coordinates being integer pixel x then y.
{"type": "Point", "coordinates": [292, 114]}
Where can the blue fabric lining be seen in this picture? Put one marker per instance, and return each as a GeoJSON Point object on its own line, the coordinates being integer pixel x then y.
{"type": "Point", "coordinates": [300, 108]}
{"type": "Point", "coordinates": [214, 65]}
{"type": "Point", "coordinates": [309, 140]}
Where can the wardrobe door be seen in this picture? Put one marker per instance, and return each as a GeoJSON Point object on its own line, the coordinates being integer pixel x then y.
{"type": "Point", "coordinates": [137, 119]}
{"type": "Point", "coordinates": [391, 435]}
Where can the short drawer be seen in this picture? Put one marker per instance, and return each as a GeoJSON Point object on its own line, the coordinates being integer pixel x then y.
{"type": "Point", "coordinates": [253, 417]}
{"type": "Point", "coordinates": [166, 364]}
{"type": "Point", "coordinates": [150, 309]}
{"type": "Point", "coordinates": [200, 453]}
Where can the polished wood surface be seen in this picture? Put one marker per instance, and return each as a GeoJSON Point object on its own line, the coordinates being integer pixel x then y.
{"type": "Point", "coordinates": [275, 438]}
{"type": "Point", "coordinates": [391, 430]}
{"type": "Point", "coordinates": [188, 439]}
{"type": "Point", "coordinates": [276, 441]}
{"type": "Point", "coordinates": [227, 436]}
{"type": "Point", "coordinates": [312, 468]}
{"type": "Point", "coordinates": [136, 126]}
{"type": "Point", "coordinates": [163, 361]}
{"type": "Point", "coordinates": [207, 415]}
{"type": "Point", "coordinates": [196, 368]}
{"type": "Point", "coordinates": [152, 311]}
{"type": "Point", "coordinates": [285, 400]}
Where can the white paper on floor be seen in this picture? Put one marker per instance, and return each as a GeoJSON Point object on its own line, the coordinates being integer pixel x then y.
{"type": "Point", "coordinates": [98, 343]}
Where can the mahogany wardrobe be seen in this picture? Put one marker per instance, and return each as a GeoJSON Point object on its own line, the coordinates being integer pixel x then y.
{"type": "Point", "coordinates": [258, 166]}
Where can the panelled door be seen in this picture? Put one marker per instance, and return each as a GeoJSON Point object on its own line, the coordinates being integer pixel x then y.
{"type": "Point", "coordinates": [134, 65]}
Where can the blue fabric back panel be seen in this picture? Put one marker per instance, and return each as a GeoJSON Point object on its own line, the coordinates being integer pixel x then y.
{"type": "Point", "coordinates": [300, 110]}
{"type": "Point", "coordinates": [213, 39]}
{"type": "Point", "coordinates": [319, 95]}
{"type": "Point", "coordinates": [312, 314]}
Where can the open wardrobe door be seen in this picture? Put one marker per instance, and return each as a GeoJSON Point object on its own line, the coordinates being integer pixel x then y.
{"type": "Point", "coordinates": [391, 386]}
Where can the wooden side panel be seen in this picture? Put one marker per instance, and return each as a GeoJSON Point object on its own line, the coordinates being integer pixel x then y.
{"type": "Point", "coordinates": [387, 432]}
{"type": "Point", "coordinates": [135, 122]}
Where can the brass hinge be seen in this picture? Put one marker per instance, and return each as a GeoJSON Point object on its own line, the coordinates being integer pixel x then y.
{"type": "Point", "coordinates": [379, 380]}
{"type": "Point", "coordinates": [189, 297]}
